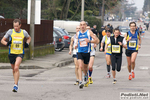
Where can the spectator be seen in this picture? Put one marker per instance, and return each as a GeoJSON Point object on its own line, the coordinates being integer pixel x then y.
{"type": "Point", "coordinates": [94, 30]}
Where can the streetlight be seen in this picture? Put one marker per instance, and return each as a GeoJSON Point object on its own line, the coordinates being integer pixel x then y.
{"type": "Point", "coordinates": [82, 11]}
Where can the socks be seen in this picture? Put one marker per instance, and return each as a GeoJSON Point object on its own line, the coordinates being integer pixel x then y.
{"type": "Point", "coordinates": [132, 70]}
{"type": "Point", "coordinates": [90, 72]}
{"type": "Point", "coordinates": [108, 68]}
{"type": "Point", "coordinates": [129, 73]}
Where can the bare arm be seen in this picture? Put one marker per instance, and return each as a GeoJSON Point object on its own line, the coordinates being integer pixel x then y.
{"type": "Point", "coordinates": [71, 44]}
{"type": "Point", "coordinates": [139, 45]}
{"type": "Point", "coordinates": [95, 39]}
{"type": "Point", "coordinates": [28, 39]}
{"type": "Point", "coordinates": [3, 41]}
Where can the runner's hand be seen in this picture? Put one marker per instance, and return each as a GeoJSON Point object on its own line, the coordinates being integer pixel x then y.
{"type": "Point", "coordinates": [8, 43]}
{"type": "Point", "coordinates": [105, 51]}
{"type": "Point", "coordinates": [76, 46]}
{"type": "Point", "coordinates": [129, 39]}
{"type": "Point", "coordinates": [101, 49]}
{"type": "Point", "coordinates": [120, 43]}
{"type": "Point", "coordinates": [95, 45]}
{"type": "Point", "coordinates": [26, 45]}
{"type": "Point", "coordinates": [87, 40]}
{"type": "Point", "coordinates": [139, 46]}
{"type": "Point", "coordinates": [69, 52]}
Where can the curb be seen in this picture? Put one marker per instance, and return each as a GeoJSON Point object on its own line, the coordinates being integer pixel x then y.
{"type": "Point", "coordinates": [22, 67]}
{"type": "Point", "coordinates": [63, 63]}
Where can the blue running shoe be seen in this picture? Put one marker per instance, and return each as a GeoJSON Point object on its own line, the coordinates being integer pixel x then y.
{"type": "Point", "coordinates": [15, 88]}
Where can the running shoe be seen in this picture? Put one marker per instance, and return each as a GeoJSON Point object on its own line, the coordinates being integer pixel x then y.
{"type": "Point", "coordinates": [76, 83]}
{"type": "Point", "coordinates": [81, 85]}
{"type": "Point", "coordinates": [90, 80]}
{"type": "Point", "coordinates": [114, 81]}
{"type": "Point", "coordinates": [86, 84]}
{"type": "Point", "coordinates": [133, 75]}
{"type": "Point", "coordinates": [130, 77]}
{"type": "Point", "coordinates": [15, 88]}
{"type": "Point", "coordinates": [108, 76]}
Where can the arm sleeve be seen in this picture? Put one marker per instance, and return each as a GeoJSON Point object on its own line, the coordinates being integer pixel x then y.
{"type": "Point", "coordinates": [25, 33]}
{"type": "Point", "coordinates": [108, 41]}
{"type": "Point", "coordinates": [124, 41]}
{"type": "Point", "coordinates": [8, 33]}
{"type": "Point", "coordinates": [103, 40]}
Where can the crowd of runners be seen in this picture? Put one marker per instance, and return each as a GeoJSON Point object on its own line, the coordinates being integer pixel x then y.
{"type": "Point", "coordinates": [84, 44]}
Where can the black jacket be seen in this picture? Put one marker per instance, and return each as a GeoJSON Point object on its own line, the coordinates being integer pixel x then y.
{"type": "Point", "coordinates": [119, 39]}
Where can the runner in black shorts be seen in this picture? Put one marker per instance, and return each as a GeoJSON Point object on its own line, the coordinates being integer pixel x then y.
{"type": "Point", "coordinates": [83, 44]}
{"type": "Point", "coordinates": [16, 48]}
{"type": "Point", "coordinates": [133, 44]}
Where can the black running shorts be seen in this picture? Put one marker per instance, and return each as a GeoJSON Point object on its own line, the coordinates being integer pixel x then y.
{"type": "Point", "coordinates": [84, 56]}
{"type": "Point", "coordinates": [12, 57]}
{"type": "Point", "coordinates": [129, 52]}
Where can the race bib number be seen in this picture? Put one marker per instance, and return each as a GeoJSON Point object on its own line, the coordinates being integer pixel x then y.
{"type": "Point", "coordinates": [115, 48]}
{"type": "Point", "coordinates": [83, 43]}
{"type": "Point", "coordinates": [132, 44]}
{"type": "Point", "coordinates": [109, 49]}
{"type": "Point", "coordinates": [17, 45]}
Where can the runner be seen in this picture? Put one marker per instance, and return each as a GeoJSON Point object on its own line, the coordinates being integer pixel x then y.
{"type": "Point", "coordinates": [133, 43]}
{"type": "Point", "coordinates": [84, 48]}
{"type": "Point", "coordinates": [107, 52]}
{"type": "Point", "coordinates": [72, 44]}
{"type": "Point", "coordinates": [117, 43]}
{"type": "Point", "coordinates": [92, 56]}
{"type": "Point", "coordinates": [16, 49]}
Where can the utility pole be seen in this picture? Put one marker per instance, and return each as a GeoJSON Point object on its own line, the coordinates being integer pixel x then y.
{"type": "Point", "coordinates": [102, 17]}
{"type": "Point", "coordinates": [82, 11]}
{"type": "Point", "coordinates": [32, 22]}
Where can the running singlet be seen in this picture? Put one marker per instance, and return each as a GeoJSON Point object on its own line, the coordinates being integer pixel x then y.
{"type": "Point", "coordinates": [83, 46]}
{"type": "Point", "coordinates": [17, 43]}
{"type": "Point", "coordinates": [109, 46]}
{"type": "Point", "coordinates": [132, 44]}
{"type": "Point", "coordinates": [74, 43]}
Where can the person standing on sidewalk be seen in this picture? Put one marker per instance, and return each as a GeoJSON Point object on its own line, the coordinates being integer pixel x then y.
{"type": "Point", "coordinates": [84, 38]}
{"type": "Point", "coordinates": [117, 43]}
{"type": "Point", "coordinates": [107, 52]}
{"type": "Point", "coordinates": [16, 49]}
{"type": "Point", "coordinates": [72, 44]}
{"type": "Point", "coordinates": [133, 44]}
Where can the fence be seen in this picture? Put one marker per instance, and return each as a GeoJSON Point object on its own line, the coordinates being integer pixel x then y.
{"type": "Point", "coordinates": [43, 33]}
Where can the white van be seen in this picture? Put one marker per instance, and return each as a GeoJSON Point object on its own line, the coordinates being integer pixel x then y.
{"type": "Point", "coordinates": [69, 26]}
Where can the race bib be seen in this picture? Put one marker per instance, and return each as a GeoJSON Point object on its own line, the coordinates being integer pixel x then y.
{"type": "Point", "coordinates": [109, 49]}
{"type": "Point", "coordinates": [17, 45]}
{"type": "Point", "coordinates": [115, 48]}
{"type": "Point", "coordinates": [132, 44]}
{"type": "Point", "coordinates": [83, 43]}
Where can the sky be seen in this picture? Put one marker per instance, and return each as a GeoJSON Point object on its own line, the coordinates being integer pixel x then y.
{"type": "Point", "coordinates": [138, 3]}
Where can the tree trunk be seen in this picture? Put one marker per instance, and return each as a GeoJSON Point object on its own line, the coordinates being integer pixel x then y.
{"type": "Point", "coordinates": [76, 10]}
{"type": "Point", "coordinates": [62, 11]}
{"type": "Point", "coordinates": [66, 9]}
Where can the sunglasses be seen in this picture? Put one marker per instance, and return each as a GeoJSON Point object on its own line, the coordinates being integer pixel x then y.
{"type": "Point", "coordinates": [107, 31]}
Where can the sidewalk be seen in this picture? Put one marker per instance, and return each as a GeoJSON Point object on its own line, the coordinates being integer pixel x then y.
{"type": "Point", "coordinates": [45, 62]}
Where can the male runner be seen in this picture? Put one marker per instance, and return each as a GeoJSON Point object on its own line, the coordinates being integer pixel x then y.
{"type": "Point", "coordinates": [92, 56]}
{"type": "Point", "coordinates": [72, 44]}
{"type": "Point", "coordinates": [117, 43]}
{"type": "Point", "coordinates": [16, 49]}
{"type": "Point", "coordinates": [107, 52]}
{"type": "Point", "coordinates": [84, 48]}
{"type": "Point", "coordinates": [133, 43]}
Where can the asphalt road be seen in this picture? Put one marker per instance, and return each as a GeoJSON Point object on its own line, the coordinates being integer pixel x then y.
{"type": "Point", "coordinates": [57, 83]}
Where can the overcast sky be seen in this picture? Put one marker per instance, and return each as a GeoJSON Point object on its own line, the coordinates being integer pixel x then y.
{"type": "Point", "coordinates": [138, 3]}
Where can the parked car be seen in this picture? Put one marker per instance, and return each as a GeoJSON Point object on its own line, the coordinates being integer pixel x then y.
{"type": "Point", "coordinates": [65, 35]}
{"type": "Point", "coordinates": [1, 17]}
{"type": "Point", "coordinates": [58, 41]}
